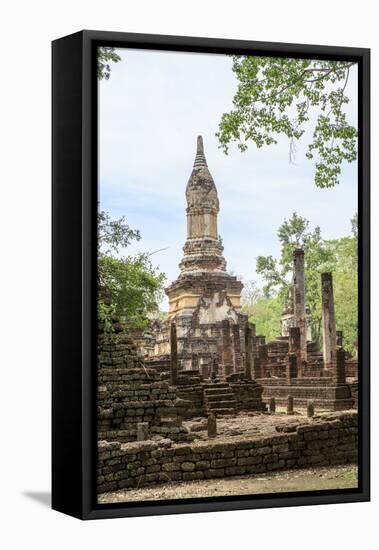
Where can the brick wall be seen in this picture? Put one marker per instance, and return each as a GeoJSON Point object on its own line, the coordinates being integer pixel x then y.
{"type": "Point", "coordinates": [322, 391]}
{"type": "Point", "coordinates": [129, 396]}
{"type": "Point", "coordinates": [322, 442]}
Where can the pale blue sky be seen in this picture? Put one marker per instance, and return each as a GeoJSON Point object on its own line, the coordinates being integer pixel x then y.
{"type": "Point", "coordinates": [150, 112]}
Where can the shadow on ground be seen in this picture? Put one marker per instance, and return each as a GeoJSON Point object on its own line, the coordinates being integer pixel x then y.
{"type": "Point", "coordinates": [41, 497]}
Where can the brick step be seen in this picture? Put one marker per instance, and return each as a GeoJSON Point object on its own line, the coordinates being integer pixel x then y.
{"type": "Point", "coordinates": [229, 396]}
{"type": "Point", "coordinates": [221, 391]}
{"type": "Point", "coordinates": [212, 388]}
{"type": "Point", "coordinates": [221, 404]}
{"type": "Point", "coordinates": [222, 411]}
{"type": "Point", "coordinates": [187, 382]}
{"type": "Point", "coordinates": [219, 398]}
{"type": "Point", "coordinates": [217, 384]}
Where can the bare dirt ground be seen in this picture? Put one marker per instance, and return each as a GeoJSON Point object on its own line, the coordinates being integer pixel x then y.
{"type": "Point", "coordinates": [254, 424]}
{"type": "Point", "coordinates": [310, 479]}
{"type": "Point", "coordinates": [237, 427]}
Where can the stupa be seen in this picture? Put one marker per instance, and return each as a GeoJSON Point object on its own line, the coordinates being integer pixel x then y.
{"type": "Point", "coordinates": [205, 300]}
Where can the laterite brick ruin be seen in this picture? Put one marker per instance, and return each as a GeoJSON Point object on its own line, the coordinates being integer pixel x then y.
{"type": "Point", "coordinates": [169, 399]}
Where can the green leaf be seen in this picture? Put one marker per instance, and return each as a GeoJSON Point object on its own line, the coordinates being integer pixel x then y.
{"type": "Point", "coordinates": [275, 96]}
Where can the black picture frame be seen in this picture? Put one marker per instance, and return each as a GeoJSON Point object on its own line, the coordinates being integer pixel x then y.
{"type": "Point", "coordinates": [74, 205]}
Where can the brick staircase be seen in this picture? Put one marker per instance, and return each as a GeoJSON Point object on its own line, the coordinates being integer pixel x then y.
{"type": "Point", "coordinates": [219, 398]}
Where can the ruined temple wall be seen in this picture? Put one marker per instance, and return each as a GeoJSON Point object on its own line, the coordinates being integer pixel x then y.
{"type": "Point", "coordinates": [248, 396]}
{"type": "Point", "coordinates": [194, 397]}
{"type": "Point", "coordinates": [277, 353]}
{"type": "Point", "coordinates": [216, 291]}
{"type": "Point", "coordinates": [324, 393]}
{"type": "Point", "coordinates": [351, 368]}
{"type": "Point", "coordinates": [130, 394]}
{"type": "Point", "coordinates": [126, 399]}
{"type": "Point", "coordinates": [162, 340]}
{"type": "Point", "coordinates": [200, 340]}
{"type": "Point", "coordinates": [320, 443]}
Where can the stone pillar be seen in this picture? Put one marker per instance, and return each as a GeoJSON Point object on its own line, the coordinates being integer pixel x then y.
{"type": "Point", "coordinates": [212, 425]}
{"type": "Point", "coordinates": [290, 404]}
{"type": "Point", "coordinates": [173, 355]}
{"type": "Point", "coordinates": [339, 338]}
{"type": "Point", "coordinates": [272, 405]}
{"type": "Point", "coordinates": [294, 347]}
{"type": "Point", "coordinates": [227, 353]}
{"type": "Point", "coordinates": [205, 370]}
{"type": "Point", "coordinates": [195, 362]}
{"type": "Point", "coordinates": [263, 359]}
{"type": "Point", "coordinates": [291, 367]}
{"type": "Point", "coordinates": [310, 409]}
{"type": "Point", "coordinates": [214, 369]}
{"type": "Point", "coordinates": [328, 320]}
{"type": "Point", "coordinates": [261, 340]}
{"type": "Point", "coordinates": [299, 300]}
{"type": "Point", "coordinates": [236, 347]}
{"type": "Point", "coordinates": [339, 370]}
{"type": "Point", "coordinates": [254, 362]}
{"type": "Point", "coordinates": [257, 370]}
{"type": "Point", "coordinates": [248, 351]}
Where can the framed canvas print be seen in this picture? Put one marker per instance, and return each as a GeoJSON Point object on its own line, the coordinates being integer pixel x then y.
{"type": "Point", "coordinates": [210, 274]}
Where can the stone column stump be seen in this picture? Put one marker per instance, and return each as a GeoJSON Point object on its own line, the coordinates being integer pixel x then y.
{"type": "Point", "coordinates": [290, 404]}
{"type": "Point", "coordinates": [310, 409]}
{"type": "Point", "coordinates": [173, 355]}
{"type": "Point", "coordinates": [212, 426]}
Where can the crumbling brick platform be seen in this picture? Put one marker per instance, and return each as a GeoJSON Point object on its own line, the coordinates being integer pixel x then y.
{"type": "Point", "coordinates": [129, 394]}
{"type": "Point", "coordinates": [322, 391]}
{"type": "Point", "coordinates": [324, 441]}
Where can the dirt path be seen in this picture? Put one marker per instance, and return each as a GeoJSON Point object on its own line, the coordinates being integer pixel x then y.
{"type": "Point", "coordinates": [334, 477]}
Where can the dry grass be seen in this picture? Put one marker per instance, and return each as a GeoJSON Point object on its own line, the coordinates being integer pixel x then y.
{"type": "Point", "coordinates": [310, 479]}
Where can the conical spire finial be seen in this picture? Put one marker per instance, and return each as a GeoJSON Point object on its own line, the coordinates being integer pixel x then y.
{"type": "Point", "coordinates": [200, 145]}
{"type": "Point", "coordinates": [200, 159]}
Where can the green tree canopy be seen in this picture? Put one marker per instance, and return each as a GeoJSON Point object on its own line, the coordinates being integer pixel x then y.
{"type": "Point", "coordinates": [105, 55]}
{"type": "Point", "coordinates": [130, 287]}
{"type": "Point", "coordinates": [276, 96]}
{"type": "Point", "coordinates": [344, 266]}
{"type": "Point", "coordinates": [339, 256]}
{"type": "Point", "coordinates": [263, 311]}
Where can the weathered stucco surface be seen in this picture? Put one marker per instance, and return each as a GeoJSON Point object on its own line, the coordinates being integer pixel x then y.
{"type": "Point", "coordinates": [215, 309]}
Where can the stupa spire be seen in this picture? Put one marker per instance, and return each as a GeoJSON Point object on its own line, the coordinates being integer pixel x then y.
{"type": "Point", "coordinates": [203, 282]}
{"type": "Point", "coordinates": [203, 249]}
{"type": "Point", "coordinates": [201, 190]}
{"type": "Point", "coordinates": [200, 159]}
